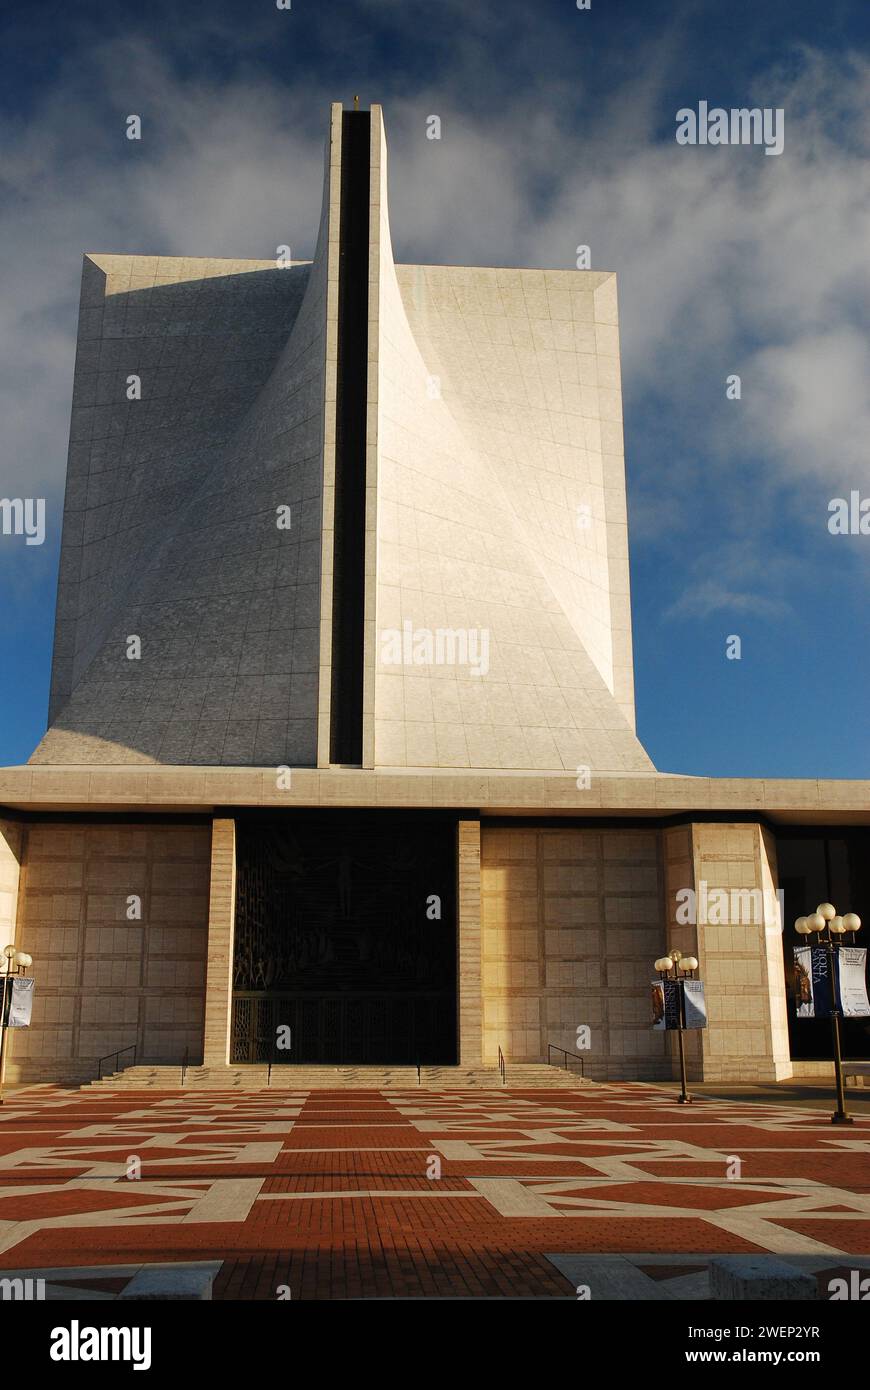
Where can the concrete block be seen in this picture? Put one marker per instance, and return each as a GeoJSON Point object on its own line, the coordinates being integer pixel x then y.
{"type": "Point", "coordinates": [173, 1282]}
{"type": "Point", "coordinates": [739, 1277]}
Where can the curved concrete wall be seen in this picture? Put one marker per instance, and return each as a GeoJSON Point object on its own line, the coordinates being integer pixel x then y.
{"type": "Point", "coordinates": [491, 425]}
{"type": "Point", "coordinates": [170, 525]}
{"type": "Point", "coordinates": [496, 610]}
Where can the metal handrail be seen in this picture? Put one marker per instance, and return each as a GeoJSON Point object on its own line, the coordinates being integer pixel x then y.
{"type": "Point", "coordinates": [566, 1053]}
{"type": "Point", "coordinates": [502, 1068]}
{"type": "Point", "coordinates": [110, 1055]}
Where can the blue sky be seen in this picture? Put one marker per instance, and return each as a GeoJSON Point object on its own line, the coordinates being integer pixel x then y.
{"type": "Point", "coordinates": [557, 130]}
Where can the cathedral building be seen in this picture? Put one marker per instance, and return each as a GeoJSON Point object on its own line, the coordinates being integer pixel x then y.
{"type": "Point", "coordinates": [341, 768]}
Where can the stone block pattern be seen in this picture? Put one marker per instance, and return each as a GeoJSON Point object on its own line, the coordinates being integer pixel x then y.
{"type": "Point", "coordinates": [741, 960]}
{"type": "Point", "coordinates": [572, 922]}
{"type": "Point", "coordinates": [502, 510]}
{"type": "Point", "coordinates": [10, 857]}
{"type": "Point", "coordinates": [104, 980]}
{"type": "Point", "coordinates": [468, 900]}
{"type": "Point", "coordinates": [221, 924]}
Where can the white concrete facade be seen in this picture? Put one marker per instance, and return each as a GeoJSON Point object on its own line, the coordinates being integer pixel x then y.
{"type": "Point", "coordinates": [496, 536]}
{"type": "Point", "coordinates": [494, 503]}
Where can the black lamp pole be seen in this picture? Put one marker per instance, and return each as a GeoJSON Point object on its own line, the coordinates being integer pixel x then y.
{"type": "Point", "coordinates": [673, 972]}
{"type": "Point", "coordinates": [830, 928]}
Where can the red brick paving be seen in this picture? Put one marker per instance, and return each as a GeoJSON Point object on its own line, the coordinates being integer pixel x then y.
{"type": "Point", "coordinates": [335, 1202]}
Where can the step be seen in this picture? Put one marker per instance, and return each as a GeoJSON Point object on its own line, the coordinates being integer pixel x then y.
{"type": "Point", "coordinates": [519, 1076]}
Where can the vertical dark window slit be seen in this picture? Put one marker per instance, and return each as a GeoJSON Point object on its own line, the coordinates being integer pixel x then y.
{"type": "Point", "coordinates": [350, 442]}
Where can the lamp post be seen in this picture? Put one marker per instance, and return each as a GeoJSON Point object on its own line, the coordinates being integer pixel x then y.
{"type": "Point", "coordinates": [16, 963]}
{"type": "Point", "coordinates": [830, 928]}
{"type": "Point", "coordinates": [675, 966]}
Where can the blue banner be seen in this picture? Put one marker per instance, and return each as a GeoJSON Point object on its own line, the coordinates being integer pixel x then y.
{"type": "Point", "coordinates": [814, 987]}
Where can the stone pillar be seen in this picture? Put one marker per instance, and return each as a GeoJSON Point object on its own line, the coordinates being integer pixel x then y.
{"type": "Point", "coordinates": [468, 926]}
{"type": "Point", "coordinates": [221, 921]}
{"type": "Point", "coordinates": [738, 941]}
{"type": "Point", "coordinates": [774, 943]}
{"type": "Point", "coordinates": [680, 935]}
{"type": "Point", "coordinates": [10, 867]}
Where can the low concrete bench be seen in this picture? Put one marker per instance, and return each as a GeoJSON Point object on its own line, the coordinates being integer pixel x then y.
{"type": "Point", "coordinates": [758, 1276]}
{"type": "Point", "coordinates": [852, 1071]}
{"type": "Point", "coordinates": [191, 1282]}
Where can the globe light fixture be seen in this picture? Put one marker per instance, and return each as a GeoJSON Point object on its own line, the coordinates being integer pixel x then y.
{"type": "Point", "coordinates": [675, 966]}
{"type": "Point", "coordinates": [831, 928]}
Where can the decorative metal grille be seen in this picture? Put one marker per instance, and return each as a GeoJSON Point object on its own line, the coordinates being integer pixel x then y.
{"type": "Point", "coordinates": [335, 940]}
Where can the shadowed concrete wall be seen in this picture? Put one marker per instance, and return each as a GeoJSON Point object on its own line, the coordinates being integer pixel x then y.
{"type": "Point", "coordinates": [171, 515]}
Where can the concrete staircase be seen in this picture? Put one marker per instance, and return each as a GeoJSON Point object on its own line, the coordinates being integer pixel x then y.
{"type": "Point", "coordinates": [520, 1076]}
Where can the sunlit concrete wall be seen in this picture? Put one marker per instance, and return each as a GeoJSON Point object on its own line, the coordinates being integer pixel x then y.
{"type": "Point", "coordinates": [105, 977]}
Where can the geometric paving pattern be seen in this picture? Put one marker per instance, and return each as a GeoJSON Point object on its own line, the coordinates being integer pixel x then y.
{"type": "Point", "coordinates": [348, 1194]}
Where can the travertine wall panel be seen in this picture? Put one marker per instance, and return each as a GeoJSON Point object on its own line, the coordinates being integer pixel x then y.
{"type": "Point", "coordinates": [483, 472]}
{"type": "Point", "coordinates": [572, 922]}
{"type": "Point", "coordinates": [528, 364]}
{"type": "Point", "coordinates": [741, 959]}
{"type": "Point", "coordinates": [10, 865]}
{"type": "Point", "coordinates": [468, 904]}
{"type": "Point", "coordinates": [221, 924]}
{"type": "Point", "coordinates": [105, 981]}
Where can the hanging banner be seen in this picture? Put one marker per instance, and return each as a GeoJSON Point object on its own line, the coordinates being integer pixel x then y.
{"type": "Point", "coordinates": [694, 1004]}
{"type": "Point", "coordinates": [803, 981]}
{"type": "Point", "coordinates": [852, 981]}
{"type": "Point", "coordinates": [666, 1004]}
{"type": "Point", "coordinates": [814, 989]}
{"type": "Point", "coordinates": [657, 991]}
{"type": "Point", "coordinates": [20, 1003]}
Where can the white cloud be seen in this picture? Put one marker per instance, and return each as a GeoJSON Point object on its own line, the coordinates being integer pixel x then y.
{"type": "Point", "coordinates": [729, 261]}
{"type": "Point", "coordinates": [708, 596]}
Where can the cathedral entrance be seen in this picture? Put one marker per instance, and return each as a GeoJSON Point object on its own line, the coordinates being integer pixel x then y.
{"type": "Point", "coordinates": [345, 939]}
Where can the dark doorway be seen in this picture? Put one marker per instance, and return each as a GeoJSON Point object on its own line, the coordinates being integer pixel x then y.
{"type": "Point", "coordinates": [345, 940]}
{"type": "Point", "coordinates": [816, 866]}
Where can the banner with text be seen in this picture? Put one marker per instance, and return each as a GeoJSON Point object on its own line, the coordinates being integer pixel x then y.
{"type": "Point", "coordinates": [814, 991]}
{"type": "Point", "coordinates": [852, 981]}
{"type": "Point", "coordinates": [694, 1004]}
{"type": "Point", "coordinates": [20, 1003]}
